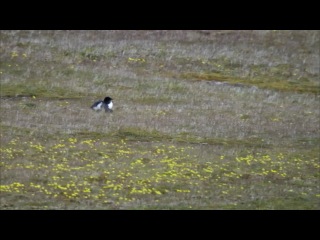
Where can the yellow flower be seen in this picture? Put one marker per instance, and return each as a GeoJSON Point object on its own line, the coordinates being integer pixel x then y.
{"type": "Point", "coordinates": [14, 54]}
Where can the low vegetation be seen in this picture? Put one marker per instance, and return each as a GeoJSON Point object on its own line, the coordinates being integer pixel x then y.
{"type": "Point", "coordinates": [202, 120]}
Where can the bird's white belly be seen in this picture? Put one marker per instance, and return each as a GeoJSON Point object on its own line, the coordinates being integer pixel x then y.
{"type": "Point", "coordinates": [110, 105]}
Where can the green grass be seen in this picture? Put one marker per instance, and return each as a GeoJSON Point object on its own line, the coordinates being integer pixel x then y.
{"type": "Point", "coordinates": [282, 84]}
{"type": "Point", "coordinates": [202, 120]}
{"type": "Point", "coordinates": [36, 90]}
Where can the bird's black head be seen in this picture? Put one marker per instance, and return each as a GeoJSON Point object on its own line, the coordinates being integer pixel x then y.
{"type": "Point", "coordinates": [107, 99]}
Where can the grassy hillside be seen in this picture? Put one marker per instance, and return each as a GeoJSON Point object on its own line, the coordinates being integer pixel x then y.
{"type": "Point", "coordinates": [202, 120]}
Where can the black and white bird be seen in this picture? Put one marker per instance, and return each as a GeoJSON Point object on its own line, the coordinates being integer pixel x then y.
{"type": "Point", "coordinates": [107, 104]}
